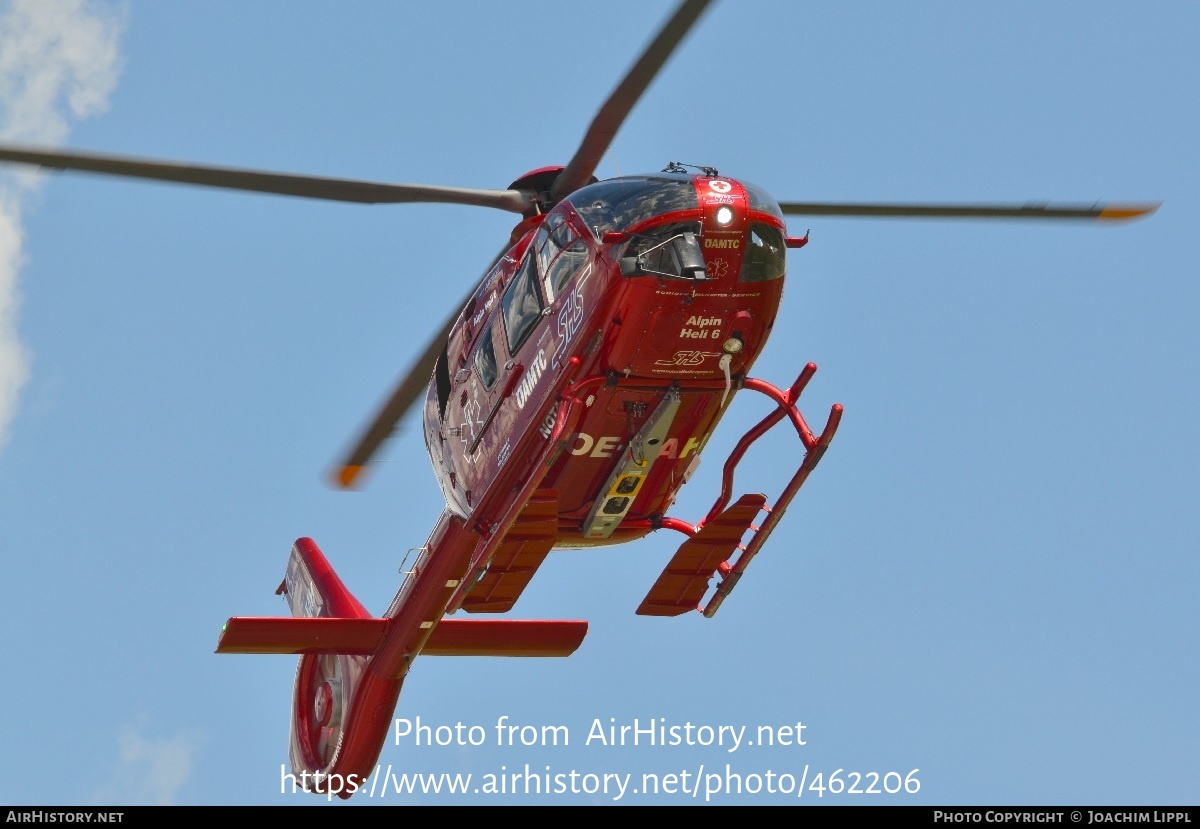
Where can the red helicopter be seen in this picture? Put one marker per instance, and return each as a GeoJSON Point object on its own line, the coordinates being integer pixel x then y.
{"type": "Point", "coordinates": [564, 403]}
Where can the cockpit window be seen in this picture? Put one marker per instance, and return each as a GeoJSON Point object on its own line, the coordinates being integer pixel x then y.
{"type": "Point", "coordinates": [562, 232]}
{"type": "Point", "coordinates": [521, 305]}
{"type": "Point", "coordinates": [545, 248]}
{"type": "Point", "coordinates": [766, 254]}
{"type": "Point", "coordinates": [654, 251]}
{"type": "Point", "coordinates": [622, 202]}
{"type": "Point", "coordinates": [564, 267]}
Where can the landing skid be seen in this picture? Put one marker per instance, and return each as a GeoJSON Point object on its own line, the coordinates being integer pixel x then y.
{"type": "Point", "coordinates": [713, 541]}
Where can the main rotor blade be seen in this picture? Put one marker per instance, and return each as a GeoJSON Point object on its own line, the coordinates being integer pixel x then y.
{"type": "Point", "coordinates": [284, 184]}
{"type": "Point", "coordinates": [408, 391]}
{"type": "Point", "coordinates": [1104, 212]}
{"type": "Point", "coordinates": [610, 117]}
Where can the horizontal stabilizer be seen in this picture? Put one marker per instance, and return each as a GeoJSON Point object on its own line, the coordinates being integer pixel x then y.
{"type": "Point", "coordinates": [292, 634]}
{"type": "Point", "coordinates": [452, 637]}
{"type": "Point", "coordinates": [685, 580]}
{"type": "Point", "coordinates": [506, 637]}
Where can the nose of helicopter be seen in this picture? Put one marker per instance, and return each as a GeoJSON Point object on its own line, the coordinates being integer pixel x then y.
{"type": "Point", "coordinates": [725, 220]}
{"type": "Point", "coordinates": [742, 229]}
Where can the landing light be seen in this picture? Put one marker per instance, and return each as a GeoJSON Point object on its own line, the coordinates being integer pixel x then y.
{"type": "Point", "coordinates": [724, 215]}
{"type": "Point", "coordinates": [732, 345]}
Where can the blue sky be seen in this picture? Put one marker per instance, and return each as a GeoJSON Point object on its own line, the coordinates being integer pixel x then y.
{"type": "Point", "coordinates": [991, 577]}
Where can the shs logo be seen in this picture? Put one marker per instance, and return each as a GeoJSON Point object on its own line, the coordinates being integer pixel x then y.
{"type": "Point", "coordinates": [687, 358]}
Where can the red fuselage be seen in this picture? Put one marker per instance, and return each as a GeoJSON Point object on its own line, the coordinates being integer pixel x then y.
{"type": "Point", "coordinates": [561, 306]}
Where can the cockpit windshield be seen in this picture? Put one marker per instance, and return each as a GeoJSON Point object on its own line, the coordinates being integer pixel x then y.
{"type": "Point", "coordinates": [762, 201]}
{"type": "Point", "coordinates": [623, 202]}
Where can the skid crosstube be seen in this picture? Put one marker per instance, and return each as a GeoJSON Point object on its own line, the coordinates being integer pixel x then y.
{"type": "Point", "coordinates": [714, 539]}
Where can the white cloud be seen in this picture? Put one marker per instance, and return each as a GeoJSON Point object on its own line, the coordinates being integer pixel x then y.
{"type": "Point", "coordinates": [149, 772]}
{"type": "Point", "coordinates": [14, 361]}
{"type": "Point", "coordinates": [59, 61]}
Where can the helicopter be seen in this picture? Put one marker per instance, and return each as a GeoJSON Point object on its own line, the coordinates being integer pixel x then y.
{"type": "Point", "coordinates": [563, 403]}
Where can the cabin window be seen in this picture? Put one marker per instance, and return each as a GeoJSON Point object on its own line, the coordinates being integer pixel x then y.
{"type": "Point", "coordinates": [766, 254]}
{"type": "Point", "coordinates": [521, 305]}
{"type": "Point", "coordinates": [441, 373]}
{"type": "Point", "coordinates": [485, 360]}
